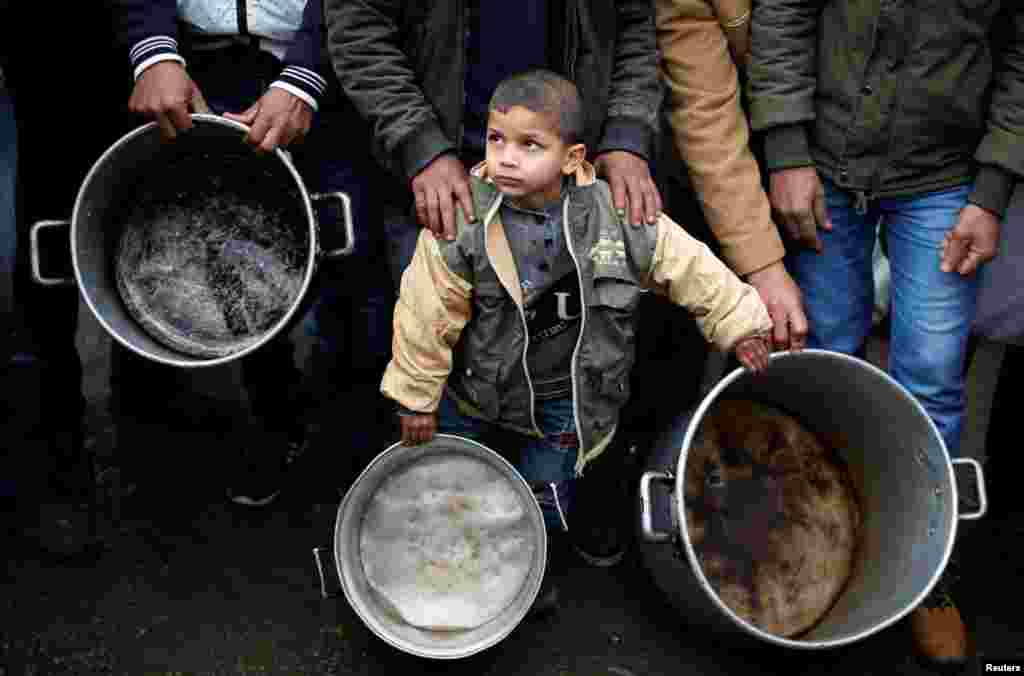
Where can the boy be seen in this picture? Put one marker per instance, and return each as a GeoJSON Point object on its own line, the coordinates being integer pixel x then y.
{"type": "Point", "coordinates": [524, 323]}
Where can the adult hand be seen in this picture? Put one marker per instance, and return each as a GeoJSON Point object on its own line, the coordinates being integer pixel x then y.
{"type": "Point", "coordinates": [417, 428]}
{"type": "Point", "coordinates": [166, 93]}
{"type": "Point", "coordinates": [973, 241]}
{"type": "Point", "coordinates": [798, 198]}
{"type": "Point", "coordinates": [785, 305]}
{"type": "Point", "coordinates": [632, 187]}
{"type": "Point", "coordinates": [438, 188]}
{"type": "Point", "coordinates": [277, 119]}
{"type": "Point", "coordinates": [753, 353]}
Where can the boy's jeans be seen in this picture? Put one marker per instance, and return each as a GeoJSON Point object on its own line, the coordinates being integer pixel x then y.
{"type": "Point", "coordinates": [932, 311]}
{"type": "Point", "coordinates": [547, 464]}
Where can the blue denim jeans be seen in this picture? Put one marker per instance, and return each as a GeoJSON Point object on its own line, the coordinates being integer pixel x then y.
{"type": "Point", "coordinates": [8, 224]}
{"type": "Point", "coordinates": [547, 464]}
{"type": "Point", "coordinates": [932, 311]}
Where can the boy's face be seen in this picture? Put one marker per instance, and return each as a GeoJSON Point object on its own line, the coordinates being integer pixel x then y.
{"type": "Point", "coordinates": [526, 157]}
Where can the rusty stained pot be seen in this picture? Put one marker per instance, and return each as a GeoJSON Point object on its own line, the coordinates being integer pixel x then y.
{"type": "Point", "coordinates": [900, 469]}
{"type": "Point", "coordinates": [93, 229]}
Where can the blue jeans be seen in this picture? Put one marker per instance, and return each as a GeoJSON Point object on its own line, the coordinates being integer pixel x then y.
{"type": "Point", "coordinates": [548, 464]}
{"type": "Point", "coordinates": [8, 224]}
{"type": "Point", "coordinates": [932, 311]}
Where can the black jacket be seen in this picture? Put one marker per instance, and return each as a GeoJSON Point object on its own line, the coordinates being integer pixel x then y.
{"type": "Point", "coordinates": [893, 97]}
{"type": "Point", "coordinates": [403, 66]}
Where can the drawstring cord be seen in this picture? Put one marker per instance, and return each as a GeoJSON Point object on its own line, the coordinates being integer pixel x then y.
{"type": "Point", "coordinates": [558, 506]}
{"type": "Point", "coordinates": [860, 204]}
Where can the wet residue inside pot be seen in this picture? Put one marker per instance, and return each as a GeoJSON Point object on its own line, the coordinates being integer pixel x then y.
{"type": "Point", "coordinates": [446, 544]}
{"type": "Point", "coordinates": [772, 516]}
{"type": "Point", "coordinates": [212, 252]}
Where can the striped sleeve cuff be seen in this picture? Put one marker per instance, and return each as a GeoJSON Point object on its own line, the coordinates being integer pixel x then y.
{"type": "Point", "coordinates": [151, 50]}
{"type": "Point", "coordinates": [311, 84]}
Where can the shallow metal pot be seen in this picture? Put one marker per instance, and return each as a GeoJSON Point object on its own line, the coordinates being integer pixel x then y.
{"type": "Point", "coordinates": [92, 238]}
{"type": "Point", "coordinates": [362, 598]}
{"type": "Point", "coordinates": [900, 470]}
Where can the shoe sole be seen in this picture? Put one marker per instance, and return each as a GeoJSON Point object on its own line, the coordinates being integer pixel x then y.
{"type": "Point", "coordinates": [247, 501]}
{"type": "Point", "coordinates": [601, 561]}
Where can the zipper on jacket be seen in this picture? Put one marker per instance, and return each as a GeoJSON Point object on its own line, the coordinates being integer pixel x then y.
{"type": "Point", "coordinates": [243, 18]}
{"type": "Point", "coordinates": [522, 316]}
{"type": "Point", "coordinates": [579, 339]}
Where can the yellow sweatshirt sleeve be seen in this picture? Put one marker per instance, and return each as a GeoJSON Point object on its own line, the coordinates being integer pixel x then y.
{"type": "Point", "coordinates": [434, 305]}
{"type": "Point", "coordinates": [689, 274]}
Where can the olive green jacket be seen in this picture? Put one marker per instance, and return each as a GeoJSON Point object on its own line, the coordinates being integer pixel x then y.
{"type": "Point", "coordinates": [460, 320]}
{"type": "Point", "coordinates": [893, 97]}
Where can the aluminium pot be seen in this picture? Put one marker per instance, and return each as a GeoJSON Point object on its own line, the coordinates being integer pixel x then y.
{"type": "Point", "coordinates": [113, 181]}
{"type": "Point", "coordinates": [345, 552]}
{"type": "Point", "coordinates": [901, 473]}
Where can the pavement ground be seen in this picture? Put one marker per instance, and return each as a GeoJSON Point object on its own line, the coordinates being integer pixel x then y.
{"type": "Point", "coordinates": [195, 585]}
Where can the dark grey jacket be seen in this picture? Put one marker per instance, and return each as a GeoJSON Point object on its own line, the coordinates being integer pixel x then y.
{"type": "Point", "coordinates": [403, 65]}
{"type": "Point", "coordinates": [893, 97]}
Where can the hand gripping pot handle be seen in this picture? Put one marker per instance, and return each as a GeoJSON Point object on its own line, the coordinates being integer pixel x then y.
{"type": "Point", "coordinates": [979, 478]}
{"type": "Point", "coordinates": [37, 274]}
{"type": "Point", "coordinates": [646, 506]}
{"type": "Point", "coordinates": [346, 211]}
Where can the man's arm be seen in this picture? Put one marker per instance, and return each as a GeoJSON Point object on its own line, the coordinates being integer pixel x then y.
{"type": "Point", "coordinates": [1001, 151]}
{"type": "Point", "coordinates": [149, 29]}
{"type": "Point", "coordinates": [783, 77]}
{"type": "Point", "coordinates": [364, 41]}
{"type": "Point", "coordinates": [284, 113]}
{"type": "Point", "coordinates": [711, 132]}
{"type": "Point", "coordinates": [975, 238]}
{"type": "Point", "coordinates": [623, 154]}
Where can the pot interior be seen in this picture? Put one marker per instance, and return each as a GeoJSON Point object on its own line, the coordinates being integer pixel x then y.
{"type": "Point", "coordinates": [365, 601]}
{"type": "Point", "coordinates": [196, 251]}
{"type": "Point", "coordinates": [900, 471]}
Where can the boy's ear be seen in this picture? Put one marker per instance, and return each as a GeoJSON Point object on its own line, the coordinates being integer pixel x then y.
{"type": "Point", "coordinates": [574, 155]}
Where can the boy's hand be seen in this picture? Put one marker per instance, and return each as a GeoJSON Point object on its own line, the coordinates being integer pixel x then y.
{"type": "Point", "coordinates": [753, 353]}
{"type": "Point", "coordinates": [418, 428]}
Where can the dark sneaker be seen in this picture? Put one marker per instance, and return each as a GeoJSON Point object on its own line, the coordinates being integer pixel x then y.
{"type": "Point", "coordinates": [938, 630]}
{"type": "Point", "coordinates": [259, 487]}
{"type": "Point", "coordinates": [557, 563]}
{"type": "Point", "coordinates": [600, 546]}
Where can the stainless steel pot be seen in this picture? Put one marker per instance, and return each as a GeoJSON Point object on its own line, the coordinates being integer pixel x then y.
{"type": "Point", "coordinates": [92, 238]}
{"type": "Point", "coordinates": [357, 590]}
{"type": "Point", "coordinates": [900, 469]}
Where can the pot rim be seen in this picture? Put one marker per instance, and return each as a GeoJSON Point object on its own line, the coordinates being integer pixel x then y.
{"type": "Point", "coordinates": [691, 555]}
{"type": "Point", "coordinates": [195, 362]}
{"type": "Point", "coordinates": [532, 583]}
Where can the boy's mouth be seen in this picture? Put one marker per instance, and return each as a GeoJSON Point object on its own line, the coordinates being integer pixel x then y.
{"type": "Point", "coordinates": [508, 181]}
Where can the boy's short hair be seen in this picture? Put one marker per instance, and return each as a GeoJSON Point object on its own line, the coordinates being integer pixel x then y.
{"type": "Point", "coordinates": [545, 93]}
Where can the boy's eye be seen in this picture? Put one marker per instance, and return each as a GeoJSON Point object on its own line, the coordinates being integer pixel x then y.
{"type": "Point", "coordinates": [533, 145]}
{"type": "Point", "coordinates": [493, 137]}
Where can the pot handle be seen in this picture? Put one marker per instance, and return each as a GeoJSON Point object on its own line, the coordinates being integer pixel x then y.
{"type": "Point", "coordinates": [346, 211]}
{"type": "Point", "coordinates": [318, 553]}
{"type": "Point", "coordinates": [646, 506]}
{"type": "Point", "coordinates": [37, 274]}
{"type": "Point", "coordinates": [979, 478]}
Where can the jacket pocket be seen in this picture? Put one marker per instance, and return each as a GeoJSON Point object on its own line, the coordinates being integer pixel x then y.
{"type": "Point", "coordinates": [481, 394]}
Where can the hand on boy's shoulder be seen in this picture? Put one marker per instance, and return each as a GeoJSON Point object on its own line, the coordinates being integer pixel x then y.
{"type": "Point", "coordinates": [634, 192]}
{"type": "Point", "coordinates": [439, 189]}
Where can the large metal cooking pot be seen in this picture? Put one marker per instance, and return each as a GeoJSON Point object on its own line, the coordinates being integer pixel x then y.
{"type": "Point", "coordinates": [362, 598]}
{"type": "Point", "coordinates": [113, 180]}
{"type": "Point", "coordinates": [900, 470]}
